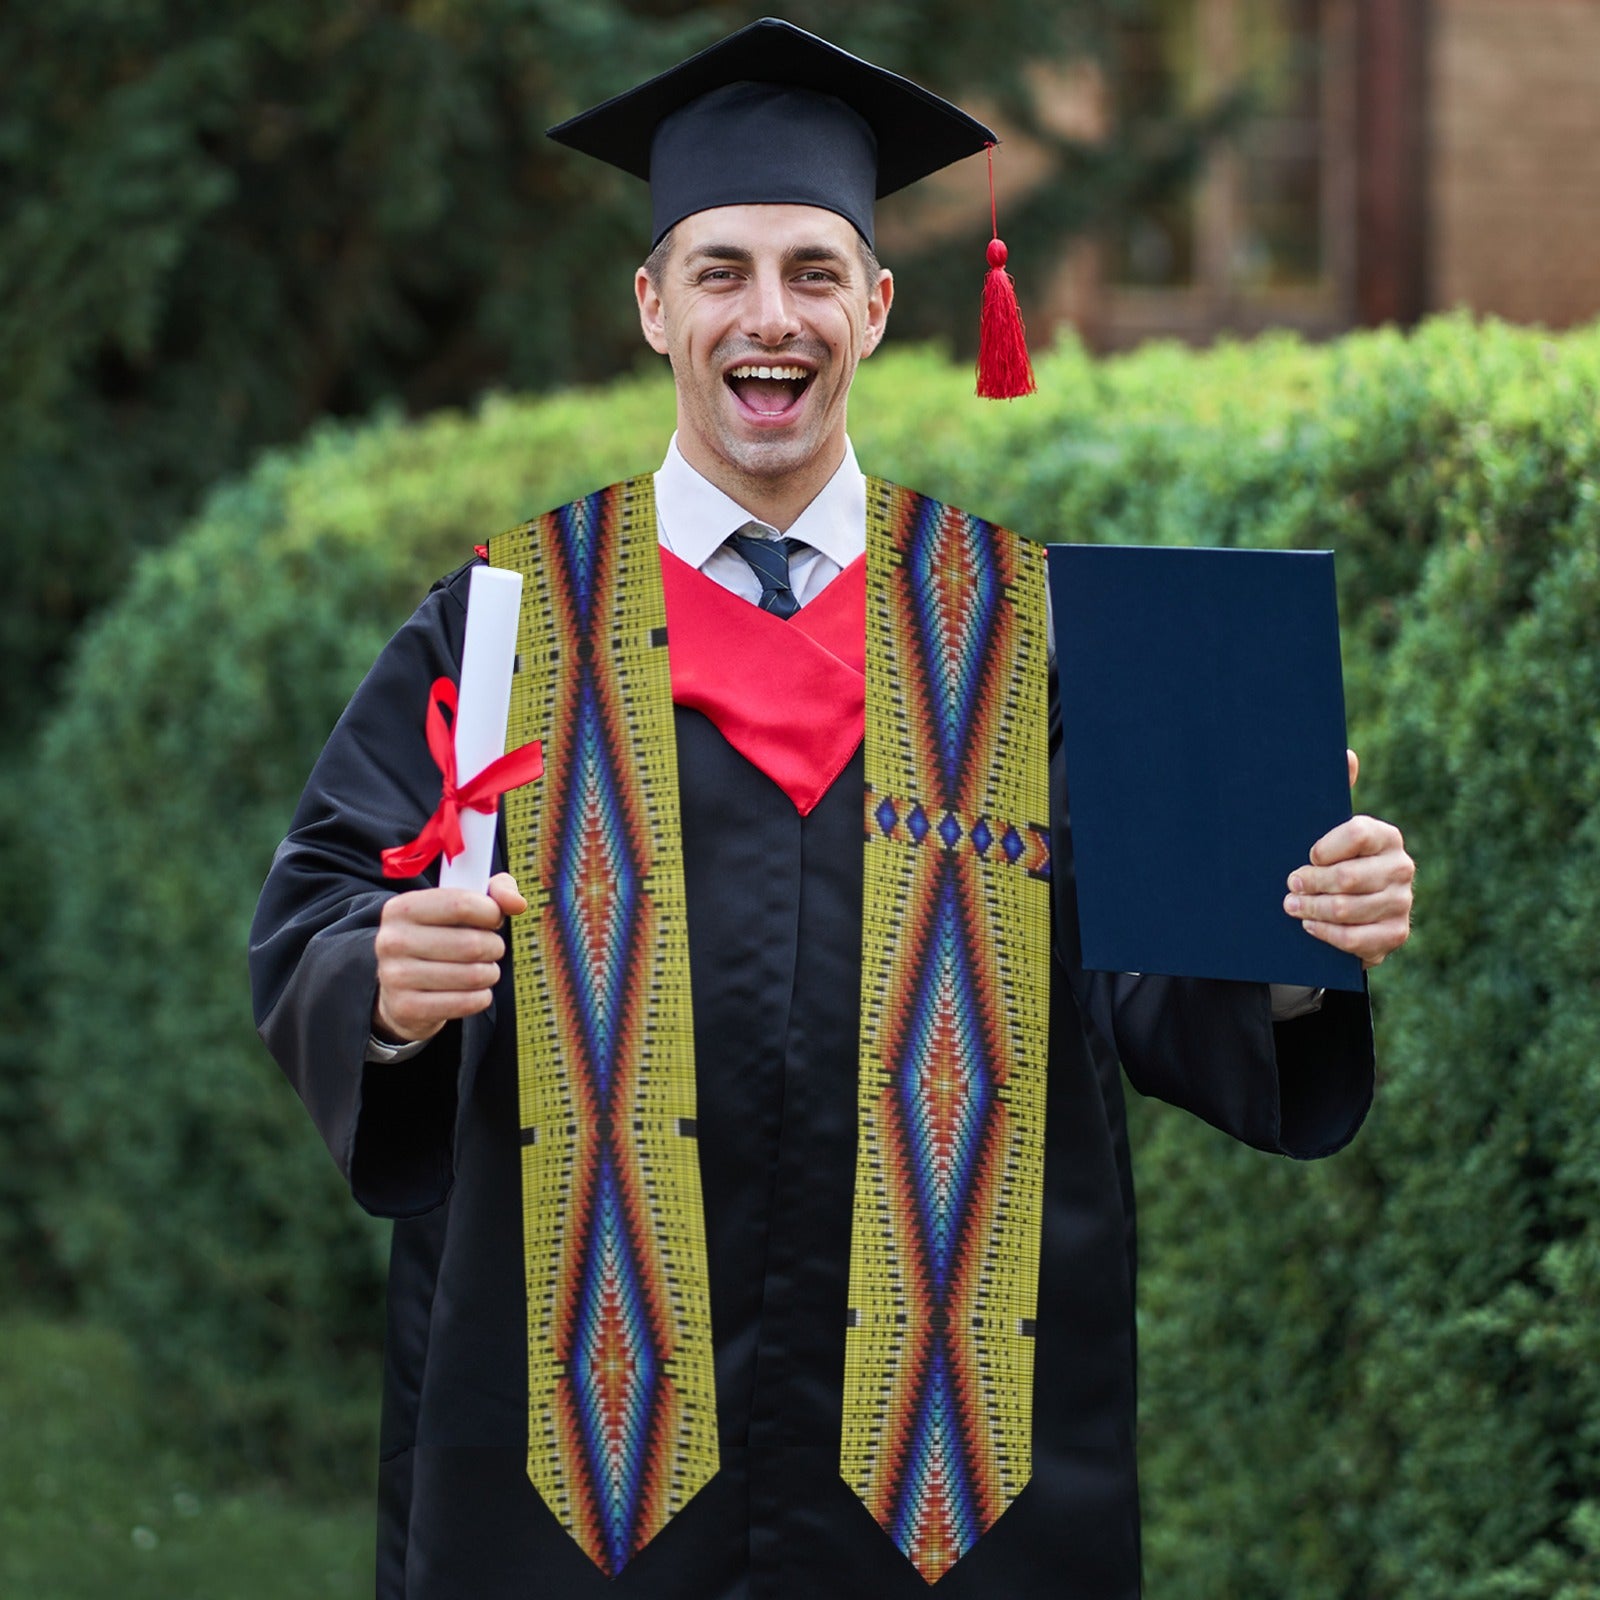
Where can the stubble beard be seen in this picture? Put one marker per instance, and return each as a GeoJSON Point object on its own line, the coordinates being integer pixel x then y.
{"type": "Point", "coordinates": [766, 459]}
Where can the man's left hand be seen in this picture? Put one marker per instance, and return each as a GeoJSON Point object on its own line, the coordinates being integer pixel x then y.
{"type": "Point", "coordinates": [1355, 893]}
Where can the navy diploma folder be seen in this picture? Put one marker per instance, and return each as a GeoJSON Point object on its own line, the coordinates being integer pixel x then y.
{"type": "Point", "coordinates": [1202, 709]}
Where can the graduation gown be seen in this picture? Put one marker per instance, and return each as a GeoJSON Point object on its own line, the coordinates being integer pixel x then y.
{"type": "Point", "coordinates": [774, 903]}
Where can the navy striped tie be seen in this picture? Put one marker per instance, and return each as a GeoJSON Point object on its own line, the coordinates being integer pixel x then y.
{"type": "Point", "coordinates": [769, 560]}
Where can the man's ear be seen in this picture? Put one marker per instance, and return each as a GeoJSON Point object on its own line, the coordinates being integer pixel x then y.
{"type": "Point", "coordinates": [878, 303]}
{"type": "Point", "coordinates": [652, 315]}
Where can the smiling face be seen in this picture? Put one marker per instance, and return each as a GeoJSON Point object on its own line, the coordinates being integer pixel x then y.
{"type": "Point", "coordinates": [764, 311]}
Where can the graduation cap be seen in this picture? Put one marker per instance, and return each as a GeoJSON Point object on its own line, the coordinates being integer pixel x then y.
{"type": "Point", "coordinates": [774, 115]}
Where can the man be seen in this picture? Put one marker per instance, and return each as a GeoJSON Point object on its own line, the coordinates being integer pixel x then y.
{"type": "Point", "coordinates": [729, 1221]}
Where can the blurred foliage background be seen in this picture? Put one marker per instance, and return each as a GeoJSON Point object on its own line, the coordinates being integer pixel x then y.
{"type": "Point", "coordinates": [267, 278]}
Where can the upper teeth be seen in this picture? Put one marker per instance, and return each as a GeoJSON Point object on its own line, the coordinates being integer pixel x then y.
{"type": "Point", "coordinates": [796, 373]}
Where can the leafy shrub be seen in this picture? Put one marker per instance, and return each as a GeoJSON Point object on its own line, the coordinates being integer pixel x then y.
{"type": "Point", "coordinates": [1376, 1378]}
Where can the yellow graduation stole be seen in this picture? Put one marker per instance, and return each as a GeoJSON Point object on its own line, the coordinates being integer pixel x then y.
{"type": "Point", "coordinates": [938, 1377]}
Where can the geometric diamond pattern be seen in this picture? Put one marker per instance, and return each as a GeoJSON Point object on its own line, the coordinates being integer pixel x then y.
{"type": "Point", "coordinates": [943, 1297]}
{"type": "Point", "coordinates": [954, 599]}
{"type": "Point", "coordinates": [621, 1387]}
{"type": "Point", "coordinates": [616, 1366]}
{"type": "Point", "coordinates": [945, 1088]}
{"type": "Point", "coordinates": [937, 1418]}
{"type": "Point", "coordinates": [607, 1340]}
{"type": "Point", "coordinates": [899, 818]}
{"type": "Point", "coordinates": [595, 892]}
{"type": "Point", "coordinates": [935, 1512]}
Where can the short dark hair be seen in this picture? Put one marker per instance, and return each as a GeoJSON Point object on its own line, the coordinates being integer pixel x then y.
{"type": "Point", "coordinates": [656, 262]}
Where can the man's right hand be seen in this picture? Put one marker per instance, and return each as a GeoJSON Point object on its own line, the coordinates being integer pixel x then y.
{"type": "Point", "coordinates": [438, 957]}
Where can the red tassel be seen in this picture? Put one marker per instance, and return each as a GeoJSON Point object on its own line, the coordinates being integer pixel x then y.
{"type": "Point", "coordinates": [1004, 370]}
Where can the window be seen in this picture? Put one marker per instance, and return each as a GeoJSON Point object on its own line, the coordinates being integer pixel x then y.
{"type": "Point", "coordinates": [1264, 236]}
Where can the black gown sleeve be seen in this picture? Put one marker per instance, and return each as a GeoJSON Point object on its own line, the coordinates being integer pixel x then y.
{"type": "Point", "coordinates": [1300, 1088]}
{"type": "Point", "coordinates": [313, 966]}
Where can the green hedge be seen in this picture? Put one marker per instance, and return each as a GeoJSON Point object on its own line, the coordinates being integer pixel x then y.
{"type": "Point", "coordinates": [1377, 1377]}
{"type": "Point", "coordinates": [1374, 1377]}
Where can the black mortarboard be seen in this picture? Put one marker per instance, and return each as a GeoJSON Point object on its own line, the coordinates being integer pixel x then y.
{"type": "Point", "coordinates": [774, 115]}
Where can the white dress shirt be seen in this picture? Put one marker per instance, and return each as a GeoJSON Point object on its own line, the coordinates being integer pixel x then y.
{"type": "Point", "coordinates": [694, 518]}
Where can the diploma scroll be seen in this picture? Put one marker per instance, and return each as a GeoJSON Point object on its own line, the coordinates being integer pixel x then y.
{"type": "Point", "coordinates": [494, 600]}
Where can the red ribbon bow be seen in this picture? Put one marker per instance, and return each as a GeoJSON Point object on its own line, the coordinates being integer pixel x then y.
{"type": "Point", "coordinates": [442, 832]}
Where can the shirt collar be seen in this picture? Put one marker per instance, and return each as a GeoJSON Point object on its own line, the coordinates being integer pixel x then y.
{"type": "Point", "coordinates": [696, 517]}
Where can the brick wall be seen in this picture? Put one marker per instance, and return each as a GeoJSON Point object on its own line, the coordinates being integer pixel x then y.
{"type": "Point", "coordinates": [1515, 158]}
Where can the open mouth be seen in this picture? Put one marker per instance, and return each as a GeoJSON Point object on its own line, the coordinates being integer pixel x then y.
{"type": "Point", "coordinates": [768, 391]}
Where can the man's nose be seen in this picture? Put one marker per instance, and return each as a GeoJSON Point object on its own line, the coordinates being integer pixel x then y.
{"type": "Point", "coordinates": [772, 319]}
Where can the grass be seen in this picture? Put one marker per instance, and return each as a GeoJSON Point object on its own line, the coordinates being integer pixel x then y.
{"type": "Point", "coordinates": [94, 1503]}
